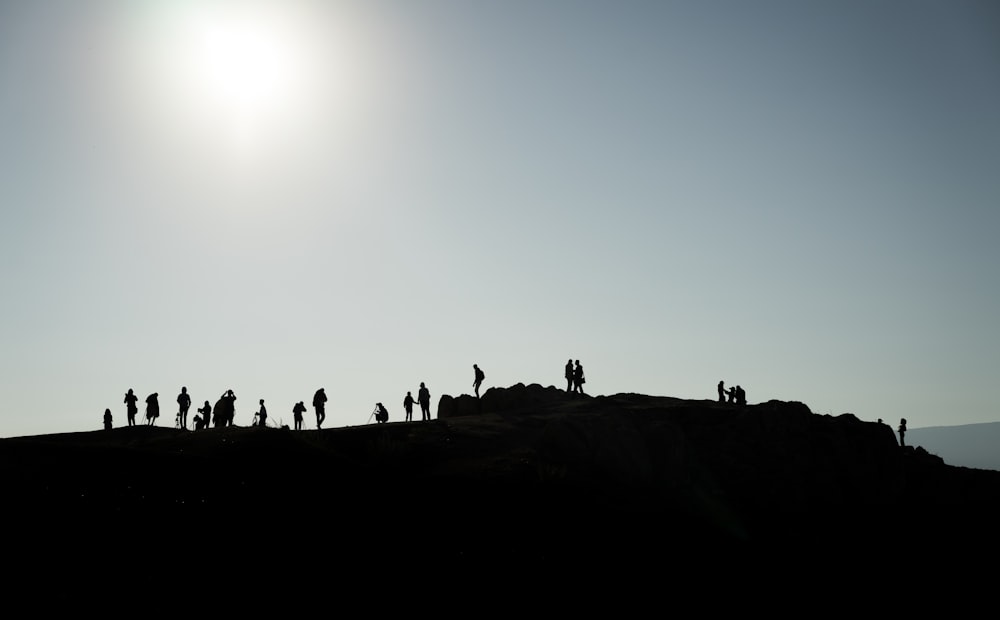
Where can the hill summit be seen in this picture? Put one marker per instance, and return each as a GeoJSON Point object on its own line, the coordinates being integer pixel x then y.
{"type": "Point", "coordinates": [524, 475]}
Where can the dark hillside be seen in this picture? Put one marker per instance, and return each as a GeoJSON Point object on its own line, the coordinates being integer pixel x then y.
{"type": "Point", "coordinates": [527, 477]}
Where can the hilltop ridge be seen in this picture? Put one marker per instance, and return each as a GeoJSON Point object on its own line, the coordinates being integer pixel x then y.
{"type": "Point", "coordinates": [525, 474]}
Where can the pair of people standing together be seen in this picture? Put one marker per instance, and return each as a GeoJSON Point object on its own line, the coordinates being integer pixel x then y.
{"type": "Point", "coordinates": [574, 377]}
{"type": "Point", "coordinates": [424, 398]}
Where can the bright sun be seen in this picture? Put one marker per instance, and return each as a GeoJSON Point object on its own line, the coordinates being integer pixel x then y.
{"type": "Point", "coordinates": [239, 74]}
{"type": "Point", "coordinates": [243, 65]}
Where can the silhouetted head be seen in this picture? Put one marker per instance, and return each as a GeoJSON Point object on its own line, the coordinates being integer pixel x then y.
{"type": "Point", "coordinates": [130, 390]}
{"type": "Point", "coordinates": [107, 412]}
{"type": "Point", "coordinates": [421, 384]}
{"type": "Point", "coordinates": [184, 390]}
{"type": "Point", "coordinates": [262, 401]}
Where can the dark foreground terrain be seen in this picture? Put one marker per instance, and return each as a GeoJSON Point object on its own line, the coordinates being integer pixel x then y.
{"type": "Point", "coordinates": [526, 482]}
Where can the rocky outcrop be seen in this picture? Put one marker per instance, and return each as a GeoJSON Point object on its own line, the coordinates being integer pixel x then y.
{"type": "Point", "coordinates": [519, 397]}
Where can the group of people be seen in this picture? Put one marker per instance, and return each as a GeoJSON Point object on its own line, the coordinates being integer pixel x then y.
{"type": "Point", "coordinates": [734, 395]}
{"type": "Point", "coordinates": [222, 415]}
{"type": "Point", "coordinates": [224, 411]}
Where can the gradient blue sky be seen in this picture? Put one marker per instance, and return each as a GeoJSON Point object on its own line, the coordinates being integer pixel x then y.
{"type": "Point", "coordinates": [798, 197]}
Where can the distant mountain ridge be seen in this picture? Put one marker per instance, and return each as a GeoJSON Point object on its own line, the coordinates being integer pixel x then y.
{"type": "Point", "coordinates": [967, 445]}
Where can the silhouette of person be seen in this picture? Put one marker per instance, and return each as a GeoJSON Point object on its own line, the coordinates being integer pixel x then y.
{"type": "Point", "coordinates": [741, 396]}
{"type": "Point", "coordinates": [578, 378]}
{"type": "Point", "coordinates": [408, 406]}
{"type": "Point", "coordinates": [902, 431]}
{"type": "Point", "coordinates": [479, 376]}
{"type": "Point", "coordinates": [229, 411]}
{"type": "Point", "coordinates": [424, 398]}
{"type": "Point", "coordinates": [731, 395]}
{"type": "Point", "coordinates": [206, 414]}
{"type": "Point", "coordinates": [152, 408]}
{"type": "Point", "coordinates": [381, 413]}
{"type": "Point", "coordinates": [130, 408]}
{"type": "Point", "coordinates": [319, 403]}
{"type": "Point", "coordinates": [297, 411]}
{"type": "Point", "coordinates": [262, 414]}
{"type": "Point", "coordinates": [184, 402]}
{"type": "Point", "coordinates": [722, 392]}
{"type": "Point", "coordinates": [107, 419]}
{"type": "Point", "coordinates": [199, 423]}
{"type": "Point", "coordinates": [569, 375]}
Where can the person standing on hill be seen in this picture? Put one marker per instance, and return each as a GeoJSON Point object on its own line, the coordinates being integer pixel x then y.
{"type": "Point", "coordinates": [206, 414]}
{"type": "Point", "coordinates": [183, 403]}
{"type": "Point", "coordinates": [262, 415]}
{"type": "Point", "coordinates": [478, 379]}
{"type": "Point", "coordinates": [297, 411]}
{"type": "Point", "coordinates": [107, 419]}
{"type": "Point", "coordinates": [578, 378]}
{"type": "Point", "coordinates": [130, 400]}
{"type": "Point", "coordinates": [408, 406]}
{"type": "Point", "coordinates": [152, 408]}
{"type": "Point", "coordinates": [424, 398]}
{"type": "Point", "coordinates": [722, 392]}
{"type": "Point", "coordinates": [569, 375]}
{"type": "Point", "coordinates": [319, 404]}
{"type": "Point", "coordinates": [902, 432]}
{"type": "Point", "coordinates": [225, 409]}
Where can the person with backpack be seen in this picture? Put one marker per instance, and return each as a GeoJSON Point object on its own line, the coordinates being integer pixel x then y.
{"type": "Point", "coordinates": [478, 380]}
{"type": "Point", "coordinates": [152, 409]}
{"type": "Point", "coordinates": [319, 404]}
{"type": "Point", "coordinates": [297, 411]}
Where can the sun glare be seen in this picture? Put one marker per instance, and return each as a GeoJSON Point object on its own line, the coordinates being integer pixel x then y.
{"type": "Point", "coordinates": [240, 75]}
{"type": "Point", "coordinates": [244, 66]}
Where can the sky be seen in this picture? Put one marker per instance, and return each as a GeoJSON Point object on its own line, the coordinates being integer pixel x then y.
{"type": "Point", "coordinates": [276, 196]}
